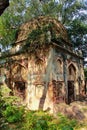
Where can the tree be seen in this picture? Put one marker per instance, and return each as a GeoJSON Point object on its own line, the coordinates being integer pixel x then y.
{"type": "Point", "coordinates": [11, 19]}
{"type": "Point", "coordinates": [3, 5]}
{"type": "Point", "coordinates": [72, 14]}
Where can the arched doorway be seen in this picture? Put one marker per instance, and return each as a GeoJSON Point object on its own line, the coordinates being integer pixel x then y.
{"type": "Point", "coordinates": [71, 80]}
{"type": "Point", "coordinates": [19, 80]}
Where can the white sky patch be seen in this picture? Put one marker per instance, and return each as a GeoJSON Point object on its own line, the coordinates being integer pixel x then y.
{"type": "Point", "coordinates": [85, 59]}
{"type": "Point", "coordinates": [83, 11]}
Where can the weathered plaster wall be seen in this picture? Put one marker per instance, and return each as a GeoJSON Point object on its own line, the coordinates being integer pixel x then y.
{"type": "Point", "coordinates": [47, 78]}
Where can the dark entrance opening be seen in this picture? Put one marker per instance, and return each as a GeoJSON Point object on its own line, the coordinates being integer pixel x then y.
{"type": "Point", "coordinates": [58, 95]}
{"type": "Point", "coordinates": [71, 97]}
{"type": "Point", "coordinates": [20, 89]}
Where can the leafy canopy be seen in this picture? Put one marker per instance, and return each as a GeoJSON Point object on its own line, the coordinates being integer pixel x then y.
{"type": "Point", "coordinates": [72, 14]}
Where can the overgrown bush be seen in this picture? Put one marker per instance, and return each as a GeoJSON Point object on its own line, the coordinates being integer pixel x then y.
{"type": "Point", "coordinates": [9, 113]}
{"type": "Point", "coordinates": [12, 116]}
{"type": "Point", "coordinates": [2, 104]}
{"type": "Point", "coordinates": [13, 113]}
{"type": "Point", "coordinates": [35, 121]}
{"type": "Point", "coordinates": [65, 123]}
{"type": "Point", "coordinates": [43, 121]}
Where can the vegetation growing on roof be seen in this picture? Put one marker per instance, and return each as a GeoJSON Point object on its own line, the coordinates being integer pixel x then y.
{"type": "Point", "coordinates": [43, 36]}
{"type": "Point", "coordinates": [42, 24]}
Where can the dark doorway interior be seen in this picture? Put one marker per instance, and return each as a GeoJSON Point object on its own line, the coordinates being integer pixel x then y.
{"type": "Point", "coordinates": [71, 97]}
{"type": "Point", "coordinates": [20, 89]}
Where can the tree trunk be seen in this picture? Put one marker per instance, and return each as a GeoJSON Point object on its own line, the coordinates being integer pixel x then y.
{"type": "Point", "coordinates": [3, 5]}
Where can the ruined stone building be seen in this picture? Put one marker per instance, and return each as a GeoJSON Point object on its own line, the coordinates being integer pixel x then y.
{"type": "Point", "coordinates": [41, 67]}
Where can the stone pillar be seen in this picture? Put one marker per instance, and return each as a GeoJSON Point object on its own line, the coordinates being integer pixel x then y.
{"type": "Point", "coordinates": [65, 77]}
{"type": "Point", "coordinates": [28, 87]}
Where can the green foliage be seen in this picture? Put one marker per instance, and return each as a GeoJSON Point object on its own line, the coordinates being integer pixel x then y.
{"type": "Point", "coordinates": [8, 100]}
{"type": "Point", "coordinates": [8, 111]}
{"type": "Point", "coordinates": [65, 123]}
{"type": "Point", "coordinates": [31, 120]}
{"type": "Point", "coordinates": [14, 117]}
{"type": "Point", "coordinates": [7, 33]}
{"type": "Point", "coordinates": [43, 121]}
{"type": "Point", "coordinates": [34, 36]}
{"type": "Point", "coordinates": [38, 36]}
{"type": "Point", "coordinates": [36, 121]}
{"type": "Point", "coordinates": [50, 8]}
{"type": "Point", "coordinates": [2, 104]}
{"type": "Point", "coordinates": [33, 10]}
{"type": "Point", "coordinates": [13, 113]}
{"type": "Point", "coordinates": [72, 13]}
{"type": "Point", "coordinates": [78, 33]}
{"type": "Point", "coordinates": [10, 21]}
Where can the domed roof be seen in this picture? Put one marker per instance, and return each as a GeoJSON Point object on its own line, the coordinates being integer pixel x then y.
{"type": "Point", "coordinates": [42, 23]}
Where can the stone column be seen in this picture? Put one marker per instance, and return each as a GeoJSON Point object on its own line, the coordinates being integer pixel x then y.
{"type": "Point", "coordinates": [65, 77]}
{"type": "Point", "coordinates": [28, 87]}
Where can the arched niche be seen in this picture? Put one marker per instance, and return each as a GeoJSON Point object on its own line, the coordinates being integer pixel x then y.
{"type": "Point", "coordinates": [18, 74]}
{"type": "Point", "coordinates": [59, 65]}
{"type": "Point", "coordinates": [38, 66]}
{"type": "Point", "coordinates": [16, 70]}
{"type": "Point", "coordinates": [71, 72]}
{"type": "Point", "coordinates": [39, 90]}
{"type": "Point", "coordinates": [19, 70]}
